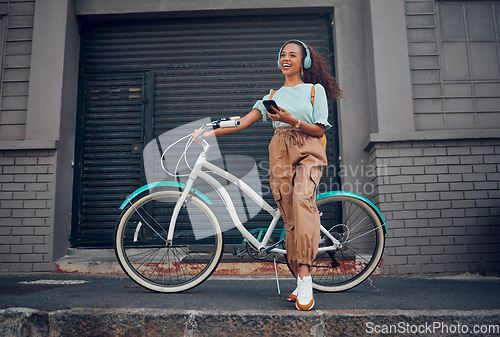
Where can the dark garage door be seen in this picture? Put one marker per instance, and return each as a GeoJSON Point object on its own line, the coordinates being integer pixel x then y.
{"type": "Point", "coordinates": [143, 78]}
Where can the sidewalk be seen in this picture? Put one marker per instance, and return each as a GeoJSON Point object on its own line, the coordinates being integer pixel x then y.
{"type": "Point", "coordinates": [78, 304]}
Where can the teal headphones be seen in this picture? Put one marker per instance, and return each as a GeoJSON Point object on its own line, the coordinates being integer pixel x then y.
{"type": "Point", "coordinates": [307, 59]}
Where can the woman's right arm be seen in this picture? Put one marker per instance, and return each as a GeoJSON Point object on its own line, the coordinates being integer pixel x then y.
{"type": "Point", "coordinates": [253, 116]}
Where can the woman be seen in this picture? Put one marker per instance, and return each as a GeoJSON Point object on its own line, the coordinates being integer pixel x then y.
{"type": "Point", "coordinates": [297, 155]}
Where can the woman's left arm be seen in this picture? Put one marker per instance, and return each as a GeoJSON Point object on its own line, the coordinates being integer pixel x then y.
{"type": "Point", "coordinates": [282, 115]}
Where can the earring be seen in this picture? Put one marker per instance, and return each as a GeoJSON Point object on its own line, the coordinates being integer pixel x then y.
{"type": "Point", "coordinates": [302, 71]}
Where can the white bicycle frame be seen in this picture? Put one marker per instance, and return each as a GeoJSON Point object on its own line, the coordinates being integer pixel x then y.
{"type": "Point", "coordinates": [197, 172]}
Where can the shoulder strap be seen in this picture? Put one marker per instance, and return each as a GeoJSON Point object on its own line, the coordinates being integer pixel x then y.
{"type": "Point", "coordinates": [312, 95]}
{"type": "Point", "coordinates": [272, 94]}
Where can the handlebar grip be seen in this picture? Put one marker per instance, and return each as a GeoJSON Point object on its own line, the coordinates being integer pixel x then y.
{"type": "Point", "coordinates": [233, 123]}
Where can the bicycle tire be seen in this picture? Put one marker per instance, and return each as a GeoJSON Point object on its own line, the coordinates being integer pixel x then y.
{"type": "Point", "coordinates": [356, 225]}
{"type": "Point", "coordinates": [142, 250]}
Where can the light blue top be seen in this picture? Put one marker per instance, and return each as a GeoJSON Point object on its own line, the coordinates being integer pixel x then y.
{"type": "Point", "coordinates": [297, 100]}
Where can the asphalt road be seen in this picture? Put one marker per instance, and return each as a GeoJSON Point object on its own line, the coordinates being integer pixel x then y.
{"type": "Point", "coordinates": [50, 292]}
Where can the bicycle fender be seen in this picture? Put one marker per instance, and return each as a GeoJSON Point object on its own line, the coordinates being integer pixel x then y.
{"type": "Point", "coordinates": [163, 183]}
{"type": "Point", "coordinates": [355, 196]}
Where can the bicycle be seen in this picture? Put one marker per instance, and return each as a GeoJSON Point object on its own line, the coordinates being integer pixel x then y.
{"type": "Point", "coordinates": [160, 249]}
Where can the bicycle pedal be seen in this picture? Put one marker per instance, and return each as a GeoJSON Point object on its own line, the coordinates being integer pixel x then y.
{"type": "Point", "coordinates": [238, 252]}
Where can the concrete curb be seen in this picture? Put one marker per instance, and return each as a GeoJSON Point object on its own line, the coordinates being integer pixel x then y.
{"type": "Point", "coordinates": [157, 322]}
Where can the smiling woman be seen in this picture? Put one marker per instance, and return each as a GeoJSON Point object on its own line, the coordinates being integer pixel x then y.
{"type": "Point", "coordinates": [296, 154]}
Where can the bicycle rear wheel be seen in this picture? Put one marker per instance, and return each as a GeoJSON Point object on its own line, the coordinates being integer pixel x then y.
{"type": "Point", "coordinates": [359, 229]}
{"type": "Point", "coordinates": [147, 258]}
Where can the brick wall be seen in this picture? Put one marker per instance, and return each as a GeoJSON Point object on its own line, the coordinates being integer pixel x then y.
{"type": "Point", "coordinates": [26, 210]}
{"type": "Point", "coordinates": [441, 200]}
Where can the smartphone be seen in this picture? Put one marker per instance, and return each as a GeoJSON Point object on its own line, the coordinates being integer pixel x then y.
{"type": "Point", "coordinates": [269, 104]}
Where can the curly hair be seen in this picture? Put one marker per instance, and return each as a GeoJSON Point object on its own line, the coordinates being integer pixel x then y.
{"type": "Point", "coordinates": [319, 72]}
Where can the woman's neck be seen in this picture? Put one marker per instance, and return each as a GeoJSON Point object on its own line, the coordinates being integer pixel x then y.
{"type": "Point", "coordinates": [293, 81]}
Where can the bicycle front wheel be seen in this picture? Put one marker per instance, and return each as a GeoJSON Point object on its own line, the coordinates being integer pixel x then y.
{"type": "Point", "coordinates": [147, 257]}
{"type": "Point", "coordinates": [360, 231]}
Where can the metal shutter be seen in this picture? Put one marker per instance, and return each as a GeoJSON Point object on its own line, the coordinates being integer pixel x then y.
{"type": "Point", "coordinates": [195, 68]}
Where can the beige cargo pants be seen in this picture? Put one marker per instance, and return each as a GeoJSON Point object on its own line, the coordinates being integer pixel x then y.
{"type": "Point", "coordinates": [295, 163]}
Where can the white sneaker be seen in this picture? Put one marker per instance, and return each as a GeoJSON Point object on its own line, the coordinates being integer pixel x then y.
{"type": "Point", "coordinates": [305, 297]}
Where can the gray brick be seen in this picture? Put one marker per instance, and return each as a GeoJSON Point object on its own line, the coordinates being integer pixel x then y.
{"type": "Point", "coordinates": [431, 250]}
{"type": "Point", "coordinates": [26, 160]}
{"type": "Point", "coordinates": [460, 169]}
{"type": "Point", "coordinates": [458, 151]}
{"type": "Point", "coordinates": [37, 169]}
{"type": "Point", "coordinates": [477, 212]}
{"type": "Point", "coordinates": [471, 160]}
{"type": "Point", "coordinates": [463, 203]}
{"type": "Point", "coordinates": [405, 215]}
{"type": "Point", "coordinates": [456, 249]}
{"type": "Point", "coordinates": [429, 231]}
{"type": "Point", "coordinates": [413, 170]}
{"type": "Point", "coordinates": [9, 258]}
{"type": "Point", "coordinates": [428, 214]}
{"type": "Point", "coordinates": [475, 195]}
{"type": "Point", "coordinates": [412, 152]}
{"type": "Point", "coordinates": [482, 150]}
{"type": "Point", "coordinates": [23, 213]}
{"type": "Point", "coordinates": [449, 178]}
{"type": "Point", "coordinates": [403, 197]}
{"type": "Point", "coordinates": [456, 195]}
{"type": "Point", "coordinates": [427, 196]}
{"type": "Point", "coordinates": [489, 168]}
{"type": "Point", "coordinates": [23, 195]}
{"type": "Point", "coordinates": [444, 259]}
{"type": "Point", "coordinates": [440, 204]}
{"type": "Point", "coordinates": [418, 241]}
{"type": "Point", "coordinates": [452, 213]}
{"type": "Point", "coordinates": [413, 188]}
{"type": "Point", "coordinates": [424, 161]}
{"type": "Point", "coordinates": [493, 203]}
{"type": "Point", "coordinates": [414, 250]}
{"type": "Point", "coordinates": [495, 159]}
{"type": "Point", "coordinates": [461, 186]}
{"type": "Point", "coordinates": [434, 152]}
{"type": "Point", "coordinates": [447, 160]}
{"type": "Point", "coordinates": [45, 178]}
{"type": "Point", "coordinates": [393, 206]}
{"type": "Point", "coordinates": [437, 187]}
{"type": "Point", "coordinates": [395, 242]}
{"type": "Point", "coordinates": [408, 269]}
{"type": "Point", "coordinates": [419, 259]}
{"type": "Point", "coordinates": [31, 258]}
{"type": "Point", "coordinates": [14, 170]}
{"type": "Point", "coordinates": [468, 257]}
{"type": "Point", "coordinates": [428, 178]}
{"type": "Point", "coordinates": [21, 249]}
{"type": "Point", "coordinates": [387, 153]}
{"type": "Point", "coordinates": [401, 162]}
{"type": "Point", "coordinates": [34, 222]}
{"type": "Point", "coordinates": [487, 185]}
{"type": "Point", "coordinates": [37, 187]}
{"type": "Point", "coordinates": [466, 240]}
{"type": "Point", "coordinates": [442, 241]}
{"type": "Point", "coordinates": [32, 240]}
{"type": "Point", "coordinates": [481, 248]}
{"type": "Point", "coordinates": [23, 231]}
{"type": "Point", "coordinates": [6, 178]}
{"type": "Point", "coordinates": [21, 267]}
{"type": "Point", "coordinates": [440, 222]}
{"type": "Point", "coordinates": [414, 205]}
{"type": "Point", "coordinates": [436, 169]}
{"type": "Point", "coordinates": [466, 222]}
{"type": "Point", "coordinates": [493, 177]}
{"type": "Point", "coordinates": [11, 204]}
{"type": "Point", "coordinates": [405, 232]}
{"type": "Point", "coordinates": [12, 187]}
{"type": "Point", "coordinates": [401, 180]}
{"type": "Point", "coordinates": [474, 176]}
